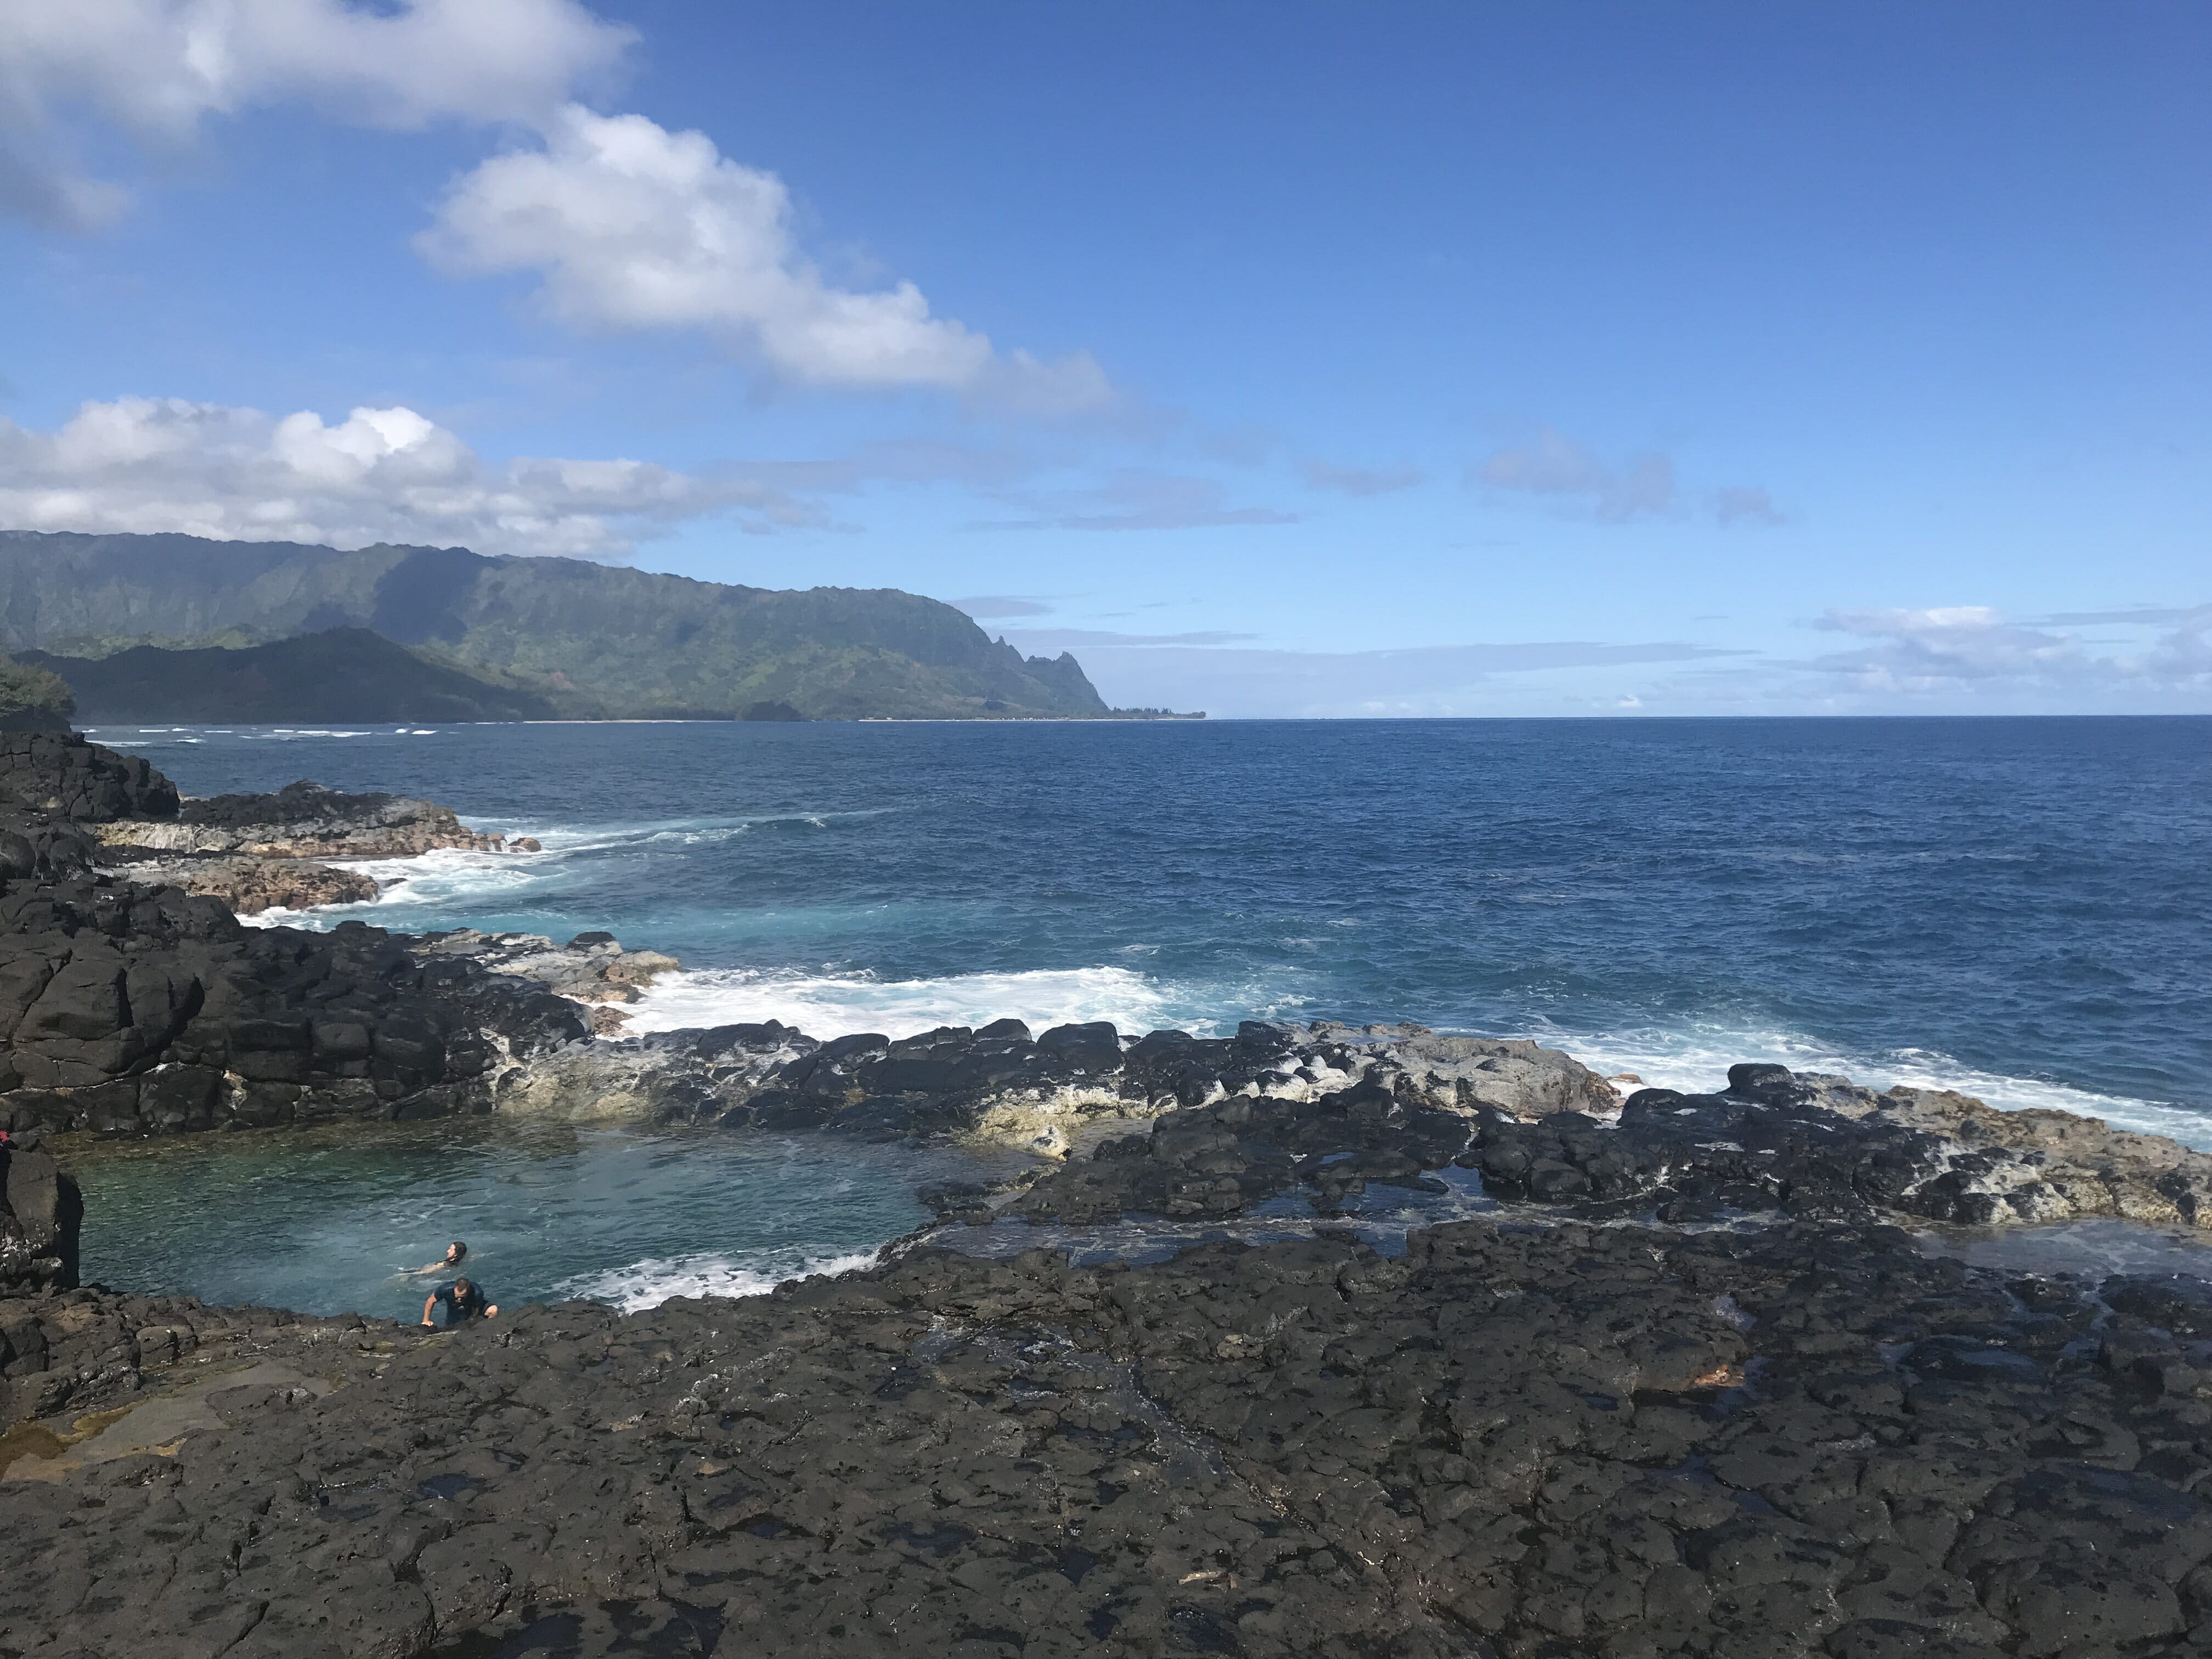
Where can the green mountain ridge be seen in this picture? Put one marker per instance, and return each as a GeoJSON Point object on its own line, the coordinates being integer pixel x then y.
{"type": "Point", "coordinates": [340, 674]}
{"type": "Point", "coordinates": [586, 640]}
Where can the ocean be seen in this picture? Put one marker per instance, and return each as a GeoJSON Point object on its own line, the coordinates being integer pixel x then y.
{"type": "Point", "coordinates": [2019, 908]}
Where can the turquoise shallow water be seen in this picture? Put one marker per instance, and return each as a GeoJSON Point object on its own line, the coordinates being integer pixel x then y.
{"type": "Point", "coordinates": [330, 1219]}
{"type": "Point", "coordinates": [2017, 907]}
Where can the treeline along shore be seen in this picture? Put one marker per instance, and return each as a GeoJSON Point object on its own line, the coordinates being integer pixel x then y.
{"type": "Point", "coordinates": [1693, 1387]}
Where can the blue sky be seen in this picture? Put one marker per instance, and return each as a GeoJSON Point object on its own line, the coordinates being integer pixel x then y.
{"type": "Point", "coordinates": [1277, 359]}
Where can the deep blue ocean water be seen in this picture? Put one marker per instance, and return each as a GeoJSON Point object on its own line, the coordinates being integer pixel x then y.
{"type": "Point", "coordinates": [2018, 908]}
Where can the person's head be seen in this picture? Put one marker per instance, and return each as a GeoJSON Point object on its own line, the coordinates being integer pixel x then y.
{"type": "Point", "coordinates": [462, 1287]}
{"type": "Point", "coordinates": [456, 1253]}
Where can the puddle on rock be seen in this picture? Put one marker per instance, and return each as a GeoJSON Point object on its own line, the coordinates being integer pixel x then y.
{"type": "Point", "coordinates": [1379, 1217]}
{"type": "Point", "coordinates": [2093, 1248]}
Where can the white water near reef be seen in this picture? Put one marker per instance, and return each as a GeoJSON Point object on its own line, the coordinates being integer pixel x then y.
{"type": "Point", "coordinates": [2015, 909]}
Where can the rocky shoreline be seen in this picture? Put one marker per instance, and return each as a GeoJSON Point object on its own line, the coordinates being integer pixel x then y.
{"type": "Point", "coordinates": [258, 853]}
{"type": "Point", "coordinates": [1526, 1440]}
{"type": "Point", "coordinates": [1691, 1389]}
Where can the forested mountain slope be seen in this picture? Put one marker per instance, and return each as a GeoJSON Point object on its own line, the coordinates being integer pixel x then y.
{"type": "Point", "coordinates": [592, 640]}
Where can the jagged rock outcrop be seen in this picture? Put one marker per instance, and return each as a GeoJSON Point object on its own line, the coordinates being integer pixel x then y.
{"type": "Point", "coordinates": [592, 968]}
{"type": "Point", "coordinates": [304, 820]}
{"type": "Point", "coordinates": [41, 1215]}
{"type": "Point", "coordinates": [1772, 1144]}
{"type": "Point", "coordinates": [62, 774]}
{"type": "Point", "coordinates": [128, 1008]}
{"type": "Point", "coordinates": [137, 1012]}
{"type": "Point", "coordinates": [1044, 1092]}
{"type": "Point", "coordinates": [249, 884]}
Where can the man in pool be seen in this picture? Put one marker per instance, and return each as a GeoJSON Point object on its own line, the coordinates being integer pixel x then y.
{"type": "Point", "coordinates": [456, 1253]}
{"type": "Point", "coordinates": [464, 1303]}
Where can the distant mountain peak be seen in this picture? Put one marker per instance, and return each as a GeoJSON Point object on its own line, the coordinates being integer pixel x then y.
{"type": "Point", "coordinates": [577, 639]}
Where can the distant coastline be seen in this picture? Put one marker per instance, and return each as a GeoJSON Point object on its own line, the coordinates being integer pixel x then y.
{"type": "Point", "coordinates": [182, 628]}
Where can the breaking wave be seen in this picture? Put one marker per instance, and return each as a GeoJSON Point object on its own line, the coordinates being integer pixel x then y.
{"type": "Point", "coordinates": [649, 1282]}
{"type": "Point", "coordinates": [831, 1004]}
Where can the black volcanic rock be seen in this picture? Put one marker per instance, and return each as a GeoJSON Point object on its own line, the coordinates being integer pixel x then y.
{"type": "Point", "coordinates": [129, 1008]}
{"type": "Point", "coordinates": [1529, 1436]}
{"type": "Point", "coordinates": [41, 1215]}
{"type": "Point", "coordinates": [1512, 1442]}
{"type": "Point", "coordinates": [61, 774]}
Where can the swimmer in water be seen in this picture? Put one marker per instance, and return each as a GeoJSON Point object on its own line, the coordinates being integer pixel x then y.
{"type": "Point", "coordinates": [456, 1253]}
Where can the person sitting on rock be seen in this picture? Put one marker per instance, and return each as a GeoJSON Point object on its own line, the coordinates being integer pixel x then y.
{"type": "Point", "coordinates": [464, 1303]}
{"type": "Point", "coordinates": [456, 1253]}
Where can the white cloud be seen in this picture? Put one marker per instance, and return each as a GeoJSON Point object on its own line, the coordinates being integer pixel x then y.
{"type": "Point", "coordinates": [1359, 480]}
{"type": "Point", "coordinates": [147, 465]}
{"type": "Point", "coordinates": [1135, 498]}
{"type": "Point", "coordinates": [627, 225]}
{"type": "Point", "coordinates": [2183, 657]}
{"type": "Point", "coordinates": [1641, 486]}
{"type": "Point", "coordinates": [1554, 464]}
{"type": "Point", "coordinates": [633, 227]}
{"type": "Point", "coordinates": [1942, 647]}
{"type": "Point", "coordinates": [160, 67]}
{"type": "Point", "coordinates": [1970, 647]}
{"type": "Point", "coordinates": [1212, 671]}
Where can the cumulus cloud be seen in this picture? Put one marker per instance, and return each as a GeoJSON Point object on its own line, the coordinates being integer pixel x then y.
{"type": "Point", "coordinates": [145, 464]}
{"type": "Point", "coordinates": [632, 227]}
{"type": "Point", "coordinates": [1135, 498]}
{"type": "Point", "coordinates": [1941, 647]}
{"type": "Point", "coordinates": [159, 68]}
{"type": "Point", "coordinates": [2183, 658]}
{"type": "Point", "coordinates": [1359, 480]}
{"type": "Point", "coordinates": [1954, 648]}
{"type": "Point", "coordinates": [627, 225]}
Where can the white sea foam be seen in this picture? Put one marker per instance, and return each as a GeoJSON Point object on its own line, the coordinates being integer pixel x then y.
{"type": "Point", "coordinates": [449, 878]}
{"type": "Point", "coordinates": [828, 1004]}
{"type": "Point", "coordinates": [1696, 1058]}
{"type": "Point", "coordinates": [649, 1282]}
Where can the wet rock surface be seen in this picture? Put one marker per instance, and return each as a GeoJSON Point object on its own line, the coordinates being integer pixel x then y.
{"type": "Point", "coordinates": [247, 883]}
{"type": "Point", "coordinates": [131, 1008]}
{"type": "Point", "coordinates": [303, 820]}
{"type": "Point", "coordinates": [1773, 1144]}
{"type": "Point", "coordinates": [591, 968]}
{"type": "Point", "coordinates": [40, 1216]}
{"type": "Point", "coordinates": [1521, 1441]}
{"type": "Point", "coordinates": [137, 1010]}
{"type": "Point", "coordinates": [1042, 1091]}
{"type": "Point", "coordinates": [72, 1359]}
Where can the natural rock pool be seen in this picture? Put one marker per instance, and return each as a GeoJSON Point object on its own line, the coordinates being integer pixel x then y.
{"type": "Point", "coordinates": [330, 1220]}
